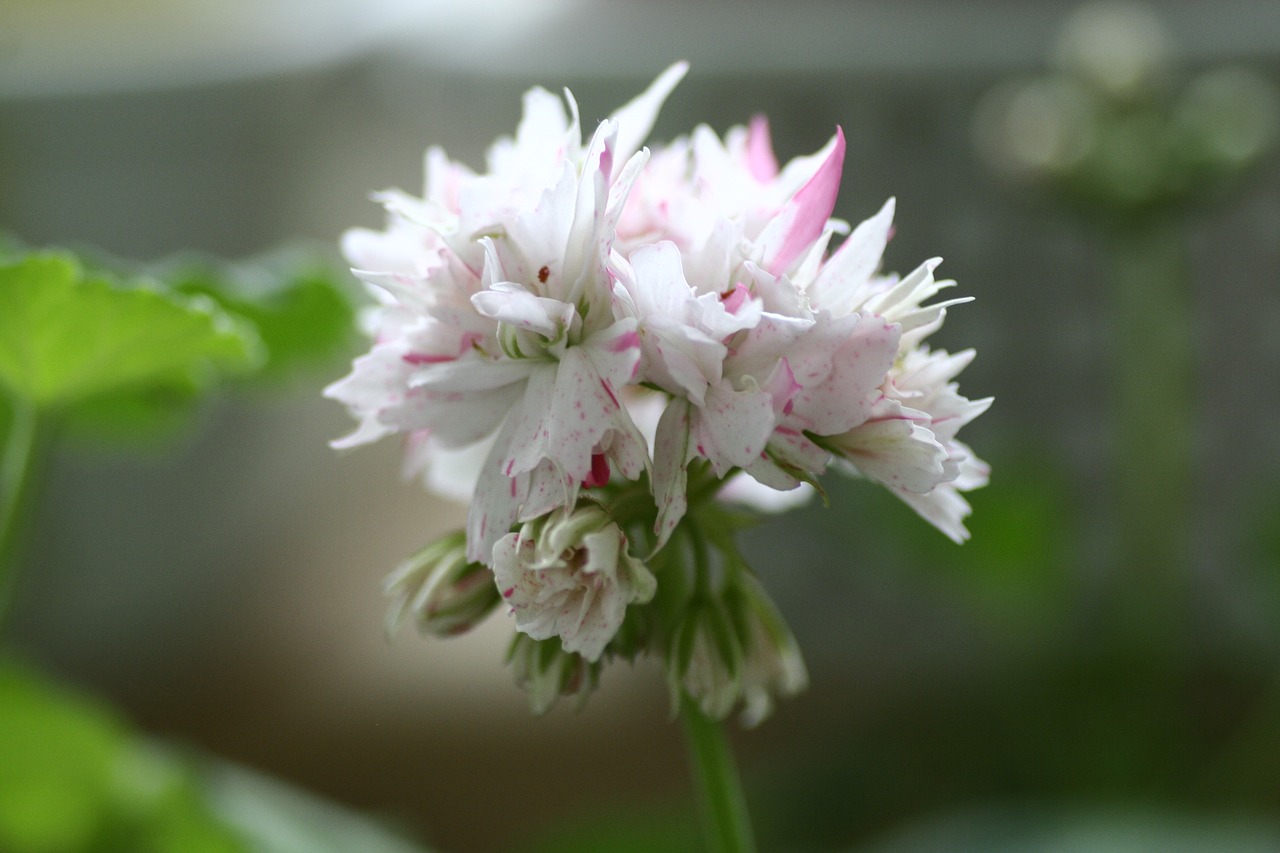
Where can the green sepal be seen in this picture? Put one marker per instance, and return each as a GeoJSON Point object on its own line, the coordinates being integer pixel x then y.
{"type": "Point", "coordinates": [682, 642]}
{"type": "Point", "coordinates": [727, 644]}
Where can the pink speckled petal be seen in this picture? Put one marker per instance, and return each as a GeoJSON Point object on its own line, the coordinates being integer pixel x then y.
{"type": "Point", "coordinates": [852, 354]}
{"type": "Point", "coordinates": [732, 428]}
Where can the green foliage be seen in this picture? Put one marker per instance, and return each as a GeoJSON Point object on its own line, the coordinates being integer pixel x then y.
{"type": "Point", "coordinates": [124, 351]}
{"type": "Point", "coordinates": [72, 778]}
{"type": "Point", "coordinates": [75, 779]}
{"type": "Point", "coordinates": [67, 338]}
{"type": "Point", "coordinates": [104, 349]}
{"type": "Point", "coordinates": [294, 300]}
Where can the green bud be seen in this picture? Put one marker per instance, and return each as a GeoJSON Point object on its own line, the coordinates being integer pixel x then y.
{"type": "Point", "coordinates": [773, 665]}
{"type": "Point", "coordinates": [547, 672]}
{"type": "Point", "coordinates": [704, 659]}
{"type": "Point", "coordinates": [735, 649]}
{"type": "Point", "coordinates": [446, 594]}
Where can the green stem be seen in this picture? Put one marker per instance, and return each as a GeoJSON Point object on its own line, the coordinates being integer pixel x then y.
{"type": "Point", "coordinates": [1153, 400]}
{"type": "Point", "coordinates": [1152, 470]}
{"type": "Point", "coordinates": [15, 488]}
{"type": "Point", "coordinates": [702, 580]}
{"type": "Point", "coordinates": [724, 807]}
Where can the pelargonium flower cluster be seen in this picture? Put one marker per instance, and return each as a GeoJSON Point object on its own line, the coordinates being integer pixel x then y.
{"type": "Point", "coordinates": [596, 344]}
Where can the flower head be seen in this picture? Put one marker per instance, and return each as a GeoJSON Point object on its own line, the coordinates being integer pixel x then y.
{"type": "Point", "coordinates": [593, 342]}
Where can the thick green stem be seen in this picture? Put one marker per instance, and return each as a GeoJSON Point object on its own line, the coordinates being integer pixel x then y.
{"type": "Point", "coordinates": [1153, 428]}
{"type": "Point", "coordinates": [1151, 474]}
{"type": "Point", "coordinates": [15, 488]}
{"type": "Point", "coordinates": [724, 807]}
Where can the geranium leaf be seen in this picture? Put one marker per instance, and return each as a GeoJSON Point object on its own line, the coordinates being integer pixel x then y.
{"type": "Point", "coordinates": [66, 338]}
{"type": "Point", "coordinates": [295, 300]}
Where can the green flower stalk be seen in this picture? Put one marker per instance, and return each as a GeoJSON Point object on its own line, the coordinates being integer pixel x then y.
{"type": "Point", "coordinates": [1120, 135]}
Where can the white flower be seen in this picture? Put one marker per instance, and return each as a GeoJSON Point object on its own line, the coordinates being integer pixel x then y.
{"type": "Point", "coordinates": [909, 443]}
{"type": "Point", "coordinates": [495, 322]}
{"type": "Point", "coordinates": [561, 355]}
{"type": "Point", "coordinates": [589, 337]}
{"type": "Point", "coordinates": [569, 575]}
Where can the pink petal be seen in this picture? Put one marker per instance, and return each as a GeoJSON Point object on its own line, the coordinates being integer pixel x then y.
{"type": "Point", "coordinates": [760, 158]}
{"type": "Point", "coordinates": [802, 220]}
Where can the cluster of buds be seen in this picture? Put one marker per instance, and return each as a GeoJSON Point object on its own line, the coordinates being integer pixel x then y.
{"type": "Point", "coordinates": [599, 345]}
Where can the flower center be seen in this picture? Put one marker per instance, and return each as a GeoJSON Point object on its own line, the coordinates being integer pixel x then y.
{"type": "Point", "coordinates": [522, 343]}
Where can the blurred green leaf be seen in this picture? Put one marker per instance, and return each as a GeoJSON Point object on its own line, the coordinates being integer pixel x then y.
{"type": "Point", "coordinates": [125, 351]}
{"type": "Point", "coordinates": [66, 338]}
{"type": "Point", "coordinates": [73, 778]}
{"type": "Point", "coordinates": [277, 818]}
{"type": "Point", "coordinates": [56, 758]}
{"type": "Point", "coordinates": [298, 303]}
{"type": "Point", "coordinates": [136, 417]}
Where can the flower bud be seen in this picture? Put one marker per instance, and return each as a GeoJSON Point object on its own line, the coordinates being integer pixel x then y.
{"type": "Point", "coordinates": [446, 593]}
{"type": "Point", "coordinates": [568, 575]}
{"type": "Point", "coordinates": [705, 660]}
{"type": "Point", "coordinates": [547, 672]}
{"type": "Point", "coordinates": [773, 665]}
{"type": "Point", "coordinates": [735, 649]}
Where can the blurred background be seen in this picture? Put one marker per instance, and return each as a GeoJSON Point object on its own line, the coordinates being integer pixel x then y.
{"type": "Point", "coordinates": [1098, 667]}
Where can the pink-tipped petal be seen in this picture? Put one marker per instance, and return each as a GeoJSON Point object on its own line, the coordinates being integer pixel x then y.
{"type": "Point", "coordinates": [804, 217]}
{"type": "Point", "coordinates": [760, 158]}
